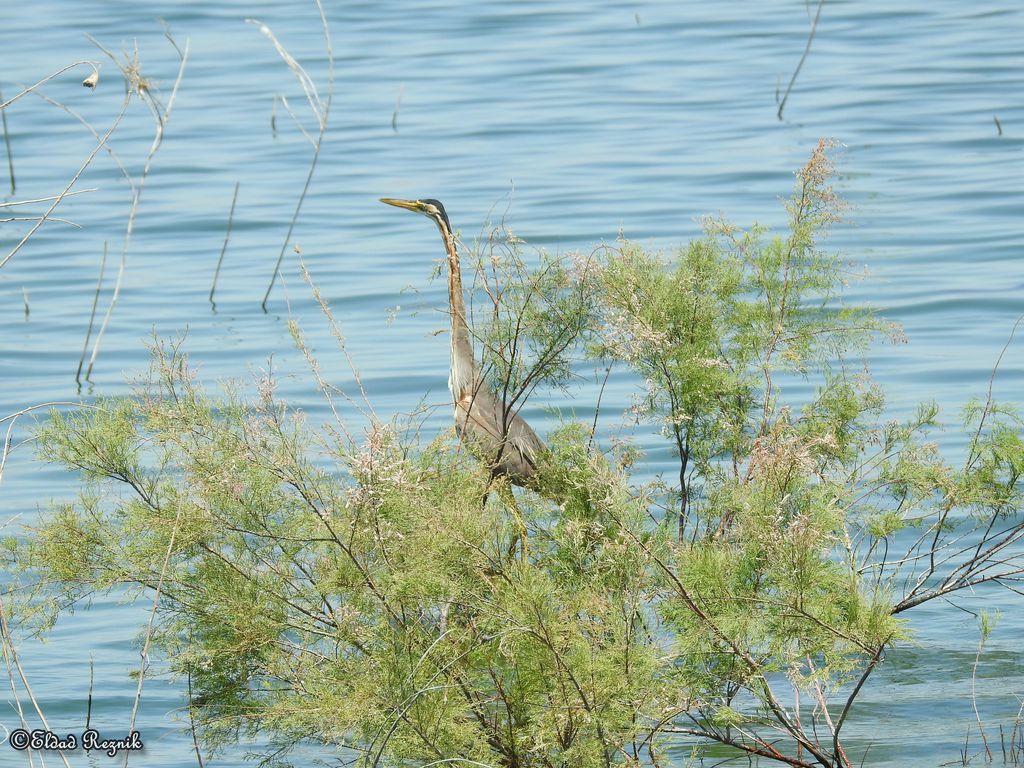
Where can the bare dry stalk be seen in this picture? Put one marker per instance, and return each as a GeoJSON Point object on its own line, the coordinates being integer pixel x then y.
{"type": "Point", "coordinates": [92, 315]}
{"type": "Point", "coordinates": [295, 119]}
{"type": "Point", "coordinates": [1017, 737]}
{"type": "Point", "coordinates": [991, 386]}
{"type": "Point", "coordinates": [88, 701]}
{"type": "Point", "coordinates": [88, 125]}
{"type": "Point", "coordinates": [14, 665]}
{"type": "Point", "coordinates": [192, 723]}
{"type": "Point", "coordinates": [7, 143]}
{"type": "Point", "coordinates": [48, 199]}
{"type": "Point", "coordinates": [398, 104]}
{"type": "Point", "coordinates": [7, 648]}
{"type": "Point", "coordinates": [308, 86]}
{"type": "Point", "coordinates": [144, 653]}
{"type": "Point", "coordinates": [58, 198]}
{"type": "Point", "coordinates": [224, 248]}
{"type": "Point", "coordinates": [974, 696]}
{"type": "Point", "coordinates": [321, 111]}
{"type": "Point", "coordinates": [8, 219]}
{"type": "Point", "coordinates": [95, 65]}
{"type": "Point", "coordinates": [137, 84]}
{"type": "Point", "coordinates": [799, 66]}
{"type": "Point", "coordinates": [597, 407]}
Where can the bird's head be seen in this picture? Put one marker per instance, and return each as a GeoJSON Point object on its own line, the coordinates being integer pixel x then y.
{"type": "Point", "coordinates": [430, 208]}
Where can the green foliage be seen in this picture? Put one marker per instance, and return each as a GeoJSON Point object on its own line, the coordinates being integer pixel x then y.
{"type": "Point", "coordinates": [378, 595]}
{"type": "Point", "coordinates": [526, 319]}
{"type": "Point", "coordinates": [711, 331]}
{"type": "Point", "coordinates": [384, 610]}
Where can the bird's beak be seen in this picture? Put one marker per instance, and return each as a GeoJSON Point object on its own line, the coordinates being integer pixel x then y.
{"type": "Point", "coordinates": [409, 205]}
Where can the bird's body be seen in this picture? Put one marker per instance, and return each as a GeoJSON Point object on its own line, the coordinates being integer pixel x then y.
{"type": "Point", "coordinates": [506, 442]}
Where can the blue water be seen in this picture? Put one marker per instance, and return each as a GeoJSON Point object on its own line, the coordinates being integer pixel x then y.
{"type": "Point", "coordinates": [584, 120]}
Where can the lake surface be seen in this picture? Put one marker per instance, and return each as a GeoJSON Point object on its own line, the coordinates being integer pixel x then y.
{"type": "Point", "coordinates": [584, 120]}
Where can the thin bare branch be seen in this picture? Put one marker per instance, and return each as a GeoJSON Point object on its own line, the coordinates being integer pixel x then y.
{"type": "Point", "coordinates": [92, 313]}
{"type": "Point", "coordinates": [322, 111]}
{"type": "Point", "coordinates": [803, 57]}
{"type": "Point", "coordinates": [7, 143]}
{"type": "Point", "coordinates": [132, 76]}
{"type": "Point", "coordinates": [94, 65]}
{"type": "Point", "coordinates": [224, 248]}
{"type": "Point", "coordinates": [46, 199]}
{"type": "Point", "coordinates": [57, 200]}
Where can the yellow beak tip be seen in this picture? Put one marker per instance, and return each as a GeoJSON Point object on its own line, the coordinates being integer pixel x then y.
{"type": "Point", "coordinates": [409, 205]}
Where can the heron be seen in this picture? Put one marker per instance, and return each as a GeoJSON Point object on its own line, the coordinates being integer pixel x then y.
{"type": "Point", "coordinates": [506, 442]}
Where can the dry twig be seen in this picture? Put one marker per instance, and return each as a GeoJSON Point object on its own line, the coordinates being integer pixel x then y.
{"type": "Point", "coordinates": [224, 248]}
{"type": "Point", "coordinates": [140, 86]}
{"type": "Point", "coordinates": [321, 111]}
{"type": "Point", "coordinates": [803, 57]}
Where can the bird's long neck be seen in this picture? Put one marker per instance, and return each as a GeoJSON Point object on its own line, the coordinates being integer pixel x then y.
{"type": "Point", "coordinates": [463, 369]}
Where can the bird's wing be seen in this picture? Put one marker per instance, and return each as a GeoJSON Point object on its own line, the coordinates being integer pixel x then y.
{"type": "Point", "coordinates": [480, 418]}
